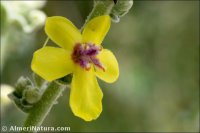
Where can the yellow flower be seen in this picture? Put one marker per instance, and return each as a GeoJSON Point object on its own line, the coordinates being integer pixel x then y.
{"type": "Point", "coordinates": [82, 55]}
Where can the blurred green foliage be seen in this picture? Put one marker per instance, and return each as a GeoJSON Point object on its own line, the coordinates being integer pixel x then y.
{"type": "Point", "coordinates": [157, 47]}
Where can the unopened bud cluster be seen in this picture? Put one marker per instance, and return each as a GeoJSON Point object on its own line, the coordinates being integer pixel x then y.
{"type": "Point", "coordinates": [25, 94]}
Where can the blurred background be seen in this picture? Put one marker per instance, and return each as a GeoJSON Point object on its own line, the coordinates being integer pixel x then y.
{"type": "Point", "coordinates": [157, 47]}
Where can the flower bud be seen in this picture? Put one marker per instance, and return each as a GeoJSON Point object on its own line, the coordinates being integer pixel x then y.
{"type": "Point", "coordinates": [21, 85]}
{"type": "Point", "coordinates": [121, 8]}
{"type": "Point", "coordinates": [31, 95]}
{"type": "Point", "coordinates": [25, 94]}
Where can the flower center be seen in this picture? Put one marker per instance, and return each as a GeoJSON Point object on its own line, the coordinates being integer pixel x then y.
{"type": "Point", "coordinates": [86, 55]}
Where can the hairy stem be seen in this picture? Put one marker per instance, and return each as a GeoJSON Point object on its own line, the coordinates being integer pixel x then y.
{"type": "Point", "coordinates": [42, 108]}
{"type": "Point", "coordinates": [101, 7]}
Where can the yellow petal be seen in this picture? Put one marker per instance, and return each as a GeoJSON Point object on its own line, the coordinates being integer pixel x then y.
{"type": "Point", "coordinates": [62, 32]}
{"type": "Point", "coordinates": [110, 63]}
{"type": "Point", "coordinates": [52, 63]}
{"type": "Point", "coordinates": [96, 29]}
{"type": "Point", "coordinates": [86, 95]}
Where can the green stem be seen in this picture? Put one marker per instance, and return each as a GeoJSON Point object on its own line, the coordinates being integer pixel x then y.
{"type": "Point", "coordinates": [42, 108]}
{"type": "Point", "coordinates": [101, 7]}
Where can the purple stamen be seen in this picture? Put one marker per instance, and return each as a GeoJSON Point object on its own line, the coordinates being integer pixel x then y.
{"type": "Point", "coordinates": [97, 63]}
{"type": "Point", "coordinates": [85, 55]}
{"type": "Point", "coordinates": [92, 50]}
